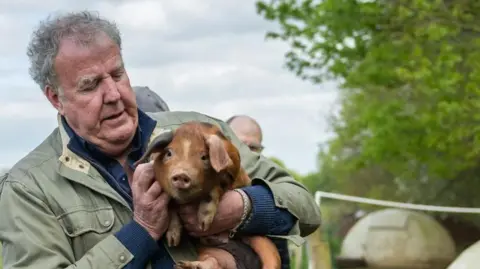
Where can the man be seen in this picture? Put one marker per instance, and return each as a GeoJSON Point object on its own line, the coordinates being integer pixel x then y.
{"type": "Point", "coordinates": [76, 201]}
{"type": "Point", "coordinates": [148, 100]}
{"type": "Point", "coordinates": [248, 131]}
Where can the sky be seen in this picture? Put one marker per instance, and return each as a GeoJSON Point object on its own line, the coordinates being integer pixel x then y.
{"type": "Point", "coordinates": [208, 56]}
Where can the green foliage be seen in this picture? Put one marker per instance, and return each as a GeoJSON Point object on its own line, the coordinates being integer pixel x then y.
{"type": "Point", "coordinates": [409, 127]}
{"type": "Point", "coordinates": [304, 258]}
{"type": "Point", "coordinates": [313, 181]}
{"type": "Point", "coordinates": [293, 173]}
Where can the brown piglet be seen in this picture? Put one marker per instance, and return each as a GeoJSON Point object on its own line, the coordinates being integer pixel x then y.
{"type": "Point", "coordinates": [197, 163]}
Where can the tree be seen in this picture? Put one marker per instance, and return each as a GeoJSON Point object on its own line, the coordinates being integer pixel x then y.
{"type": "Point", "coordinates": [313, 181]}
{"type": "Point", "coordinates": [410, 90]}
{"type": "Point", "coordinates": [293, 173]}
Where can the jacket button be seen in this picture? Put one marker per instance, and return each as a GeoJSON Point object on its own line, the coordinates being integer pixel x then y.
{"type": "Point", "coordinates": [106, 223]}
{"type": "Point", "coordinates": [122, 258]}
{"type": "Point", "coordinates": [280, 201]}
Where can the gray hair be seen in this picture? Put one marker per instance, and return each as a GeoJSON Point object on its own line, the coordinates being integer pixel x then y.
{"type": "Point", "coordinates": [82, 26]}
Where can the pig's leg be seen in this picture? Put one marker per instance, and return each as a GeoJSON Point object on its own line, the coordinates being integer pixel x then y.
{"type": "Point", "coordinates": [174, 231]}
{"type": "Point", "coordinates": [208, 208]}
{"type": "Point", "coordinates": [210, 258]}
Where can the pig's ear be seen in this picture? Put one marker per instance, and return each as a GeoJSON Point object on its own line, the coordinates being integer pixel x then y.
{"type": "Point", "coordinates": [158, 144]}
{"type": "Point", "coordinates": [218, 154]}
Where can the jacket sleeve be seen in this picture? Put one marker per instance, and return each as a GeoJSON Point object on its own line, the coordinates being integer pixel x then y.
{"type": "Point", "coordinates": [32, 237]}
{"type": "Point", "coordinates": [287, 193]}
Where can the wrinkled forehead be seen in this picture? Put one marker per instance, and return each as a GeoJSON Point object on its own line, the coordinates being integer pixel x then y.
{"type": "Point", "coordinates": [76, 64]}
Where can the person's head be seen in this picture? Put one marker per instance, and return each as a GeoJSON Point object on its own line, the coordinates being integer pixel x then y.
{"type": "Point", "coordinates": [76, 60]}
{"type": "Point", "coordinates": [148, 100]}
{"type": "Point", "coordinates": [248, 131]}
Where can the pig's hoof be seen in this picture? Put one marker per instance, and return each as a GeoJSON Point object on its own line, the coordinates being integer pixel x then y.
{"type": "Point", "coordinates": [173, 237]}
{"type": "Point", "coordinates": [205, 221]}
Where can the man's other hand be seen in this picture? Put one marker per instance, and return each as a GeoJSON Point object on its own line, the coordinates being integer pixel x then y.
{"type": "Point", "coordinates": [150, 203]}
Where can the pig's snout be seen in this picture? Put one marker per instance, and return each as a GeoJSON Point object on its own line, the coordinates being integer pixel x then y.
{"type": "Point", "coordinates": [181, 181]}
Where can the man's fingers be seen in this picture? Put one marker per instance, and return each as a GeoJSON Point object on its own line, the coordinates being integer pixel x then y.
{"type": "Point", "coordinates": [143, 177]}
{"type": "Point", "coordinates": [155, 190]}
{"type": "Point", "coordinates": [165, 198]}
{"type": "Point", "coordinates": [161, 203]}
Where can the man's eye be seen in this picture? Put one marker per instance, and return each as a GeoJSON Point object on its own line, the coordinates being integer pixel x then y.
{"type": "Point", "coordinates": [117, 76]}
{"type": "Point", "coordinates": [90, 87]}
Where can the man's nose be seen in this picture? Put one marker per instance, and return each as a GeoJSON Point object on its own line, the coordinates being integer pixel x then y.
{"type": "Point", "coordinates": [112, 93]}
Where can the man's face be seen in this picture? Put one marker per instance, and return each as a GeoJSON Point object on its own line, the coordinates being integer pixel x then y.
{"type": "Point", "coordinates": [248, 133]}
{"type": "Point", "coordinates": [252, 141]}
{"type": "Point", "coordinates": [95, 94]}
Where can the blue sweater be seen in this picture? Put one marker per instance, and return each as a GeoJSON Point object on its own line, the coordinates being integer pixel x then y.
{"type": "Point", "coordinates": [265, 217]}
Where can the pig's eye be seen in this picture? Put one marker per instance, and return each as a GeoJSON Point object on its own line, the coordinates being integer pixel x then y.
{"type": "Point", "coordinates": [167, 155]}
{"type": "Point", "coordinates": [204, 157]}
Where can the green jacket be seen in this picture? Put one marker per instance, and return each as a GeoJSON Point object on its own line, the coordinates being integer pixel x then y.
{"type": "Point", "coordinates": [58, 212]}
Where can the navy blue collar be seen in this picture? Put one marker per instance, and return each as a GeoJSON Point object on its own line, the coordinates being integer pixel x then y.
{"type": "Point", "coordinates": [145, 128]}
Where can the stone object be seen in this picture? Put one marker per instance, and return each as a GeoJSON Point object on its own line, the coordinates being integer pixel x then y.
{"type": "Point", "coordinates": [398, 238]}
{"type": "Point", "coordinates": [468, 259]}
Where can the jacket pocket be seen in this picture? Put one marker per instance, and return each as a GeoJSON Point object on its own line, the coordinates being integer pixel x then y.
{"type": "Point", "coordinates": [87, 226]}
{"type": "Point", "coordinates": [81, 220]}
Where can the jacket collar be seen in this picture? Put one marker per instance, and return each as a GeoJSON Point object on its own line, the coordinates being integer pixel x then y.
{"type": "Point", "coordinates": [69, 158]}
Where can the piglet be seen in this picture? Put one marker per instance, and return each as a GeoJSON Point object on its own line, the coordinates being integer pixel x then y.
{"type": "Point", "coordinates": [197, 163]}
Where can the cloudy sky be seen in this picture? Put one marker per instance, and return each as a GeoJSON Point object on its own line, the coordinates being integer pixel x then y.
{"type": "Point", "coordinates": [204, 55]}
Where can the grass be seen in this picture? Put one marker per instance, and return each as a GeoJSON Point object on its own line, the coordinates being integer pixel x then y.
{"type": "Point", "coordinates": [304, 259]}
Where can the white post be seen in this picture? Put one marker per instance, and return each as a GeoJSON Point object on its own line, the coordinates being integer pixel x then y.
{"type": "Point", "coordinates": [308, 244]}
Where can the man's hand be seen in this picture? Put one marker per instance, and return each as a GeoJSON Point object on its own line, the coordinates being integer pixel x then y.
{"type": "Point", "coordinates": [229, 214]}
{"type": "Point", "coordinates": [150, 203]}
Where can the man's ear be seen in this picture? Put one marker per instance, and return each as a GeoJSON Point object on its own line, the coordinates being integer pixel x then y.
{"type": "Point", "coordinates": [54, 98]}
{"type": "Point", "coordinates": [158, 144]}
{"type": "Point", "coordinates": [218, 154]}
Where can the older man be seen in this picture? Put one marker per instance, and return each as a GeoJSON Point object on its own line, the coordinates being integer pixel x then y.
{"type": "Point", "coordinates": [247, 130]}
{"type": "Point", "coordinates": [76, 200]}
